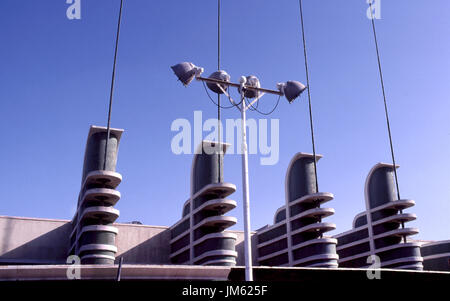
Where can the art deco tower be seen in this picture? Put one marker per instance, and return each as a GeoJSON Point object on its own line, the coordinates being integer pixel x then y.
{"type": "Point", "coordinates": [380, 229]}
{"type": "Point", "coordinates": [199, 237]}
{"type": "Point", "coordinates": [296, 237]}
{"type": "Point", "coordinates": [93, 236]}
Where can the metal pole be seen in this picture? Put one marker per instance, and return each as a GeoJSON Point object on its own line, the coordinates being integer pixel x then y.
{"type": "Point", "coordinates": [246, 196]}
{"type": "Point", "coordinates": [309, 97]}
{"type": "Point", "coordinates": [113, 77]}
{"type": "Point", "coordinates": [386, 109]}
{"type": "Point", "coordinates": [119, 270]}
{"type": "Point", "coordinates": [236, 85]}
{"type": "Point", "coordinates": [218, 94]}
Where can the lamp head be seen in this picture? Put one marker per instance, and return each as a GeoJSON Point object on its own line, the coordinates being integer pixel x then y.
{"type": "Point", "coordinates": [291, 89]}
{"type": "Point", "coordinates": [220, 75]}
{"type": "Point", "coordinates": [186, 72]}
{"type": "Point", "coordinates": [251, 81]}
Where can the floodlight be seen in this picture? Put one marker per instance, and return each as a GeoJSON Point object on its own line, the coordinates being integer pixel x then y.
{"type": "Point", "coordinates": [251, 81]}
{"type": "Point", "coordinates": [291, 89]}
{"type": "Point", "coordinates": [220, 75]}
{"type": "Point", "coordinates": [186, 72]}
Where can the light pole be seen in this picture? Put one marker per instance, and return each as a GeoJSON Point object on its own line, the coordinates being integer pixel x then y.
{"type": "Point", "coordinates": [246, 194]}
{"type": "Point", "coordinates": [248, 87]}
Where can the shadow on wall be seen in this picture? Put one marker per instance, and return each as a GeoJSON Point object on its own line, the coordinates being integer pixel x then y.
{"type": "Point", "coordinates": [48, 248]}
{"type": "Point", "coordinates": [155, 250]}
{"type": "Point", "coordinates": [6, 231]}
{"type": "Point", "coordinates": [240, 249]}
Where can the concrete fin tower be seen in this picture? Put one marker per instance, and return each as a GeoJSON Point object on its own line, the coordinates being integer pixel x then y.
{"type": "Point", "coordinates": [93, 236]}
{"type": "Point", "coordinates": [199, 237]}
{"type": "Point", "coordinates": [296, 237]}
{"type": "Point", "coordinates": [379, 230]}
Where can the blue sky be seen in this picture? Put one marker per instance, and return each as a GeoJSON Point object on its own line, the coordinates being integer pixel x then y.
{"type": "Point", "coordinates": [55, 76]}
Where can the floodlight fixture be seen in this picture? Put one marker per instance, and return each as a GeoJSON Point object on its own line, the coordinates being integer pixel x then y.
{"type": "Point", "coordinates": [186, 72]}
{"type": "Point", "coordinates": [291, 89]}
{"type": "Point", "coordinates": [248, 86]}
{"type": "Point", "coordinates": [253, 82]}
{"type": "Point", "coordinates": [220, 75]}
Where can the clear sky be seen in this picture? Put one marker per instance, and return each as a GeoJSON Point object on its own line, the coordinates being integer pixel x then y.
{"type": "Point", "coordinates": [55, 75]}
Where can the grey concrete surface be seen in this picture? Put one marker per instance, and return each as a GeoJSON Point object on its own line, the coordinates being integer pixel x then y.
{"type": "Point", "coordinates": [33, 240]}
{"type": "Point", "coordinates": [45, 241]}
{"type": "Point", "coordinates": [189, 272]}
{"type": "Point", "coordinates": [109, 272]}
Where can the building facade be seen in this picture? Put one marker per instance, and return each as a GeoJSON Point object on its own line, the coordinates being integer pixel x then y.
{"type": "Point", "coordinates": [436, 256]}
{"type": "Point", "coordinates": [296, 236]}
{"type": "Point", "coordinates": [199, 237]}
{"type": "Point", "coordinates": [93, 236]}
{"type": "Point", "coordinates": [380, 230]}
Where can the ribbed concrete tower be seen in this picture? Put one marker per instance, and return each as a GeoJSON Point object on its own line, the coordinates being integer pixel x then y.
{"type": "Point", "coordinates": [93, 236]}
{"type": "Point", "coordinates": [296, 237]}
{"type": "Point", "coordinates": [199, 237]}
{"type": "Point", "coordinates": [380, 229]}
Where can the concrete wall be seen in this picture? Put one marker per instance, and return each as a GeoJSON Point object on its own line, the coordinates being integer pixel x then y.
{"type": "Point", "coordinates": [33, 240]}
{"type": "Point", "coordinates": [45, 241]}
{"type": "Point", "coordinates": [141, 244]}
